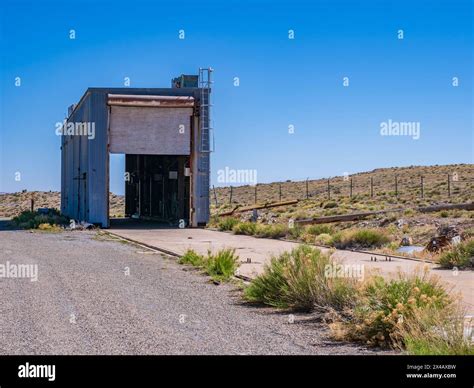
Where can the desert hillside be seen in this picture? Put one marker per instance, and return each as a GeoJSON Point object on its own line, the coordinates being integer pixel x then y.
{"type": "Point", "coordinates": [12, 204]}
{"type": "Point", "coordinates": [394, 185]}
{"type": "Point", "coordinates": [384, 190]}
{"type": "Point", "coordinates": [374, 190]}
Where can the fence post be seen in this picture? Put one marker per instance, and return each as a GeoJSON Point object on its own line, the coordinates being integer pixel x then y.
{"type": "Point", "coordinates": [215, 195]}
{"type": "Point", "coordinates": [449, 185]}
{"type": "Point", "coordinates": [329, 190]}
{"type": "Point", "coordinates": [396, 186]}
{"type": "Point", "coordinates": [255, 193]}
{"type": "Point", "coordinates": [230, 196]}
{"type": "Point", "coordinates": [307, 190]}
{"type": "Point", "coordinates": [371, 187]}
{"type": "Point", "coordinates": [351, 188]}
{"type": "Point", "coordinates": [279, 186]}
{"type": "Point", "coordinates": [421, 187]}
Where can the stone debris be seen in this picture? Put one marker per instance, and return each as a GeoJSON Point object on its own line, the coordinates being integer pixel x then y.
{"type": "Point", "coordinates": [406, 241]}
{"type": "Point", "coordinates": [82, 225]}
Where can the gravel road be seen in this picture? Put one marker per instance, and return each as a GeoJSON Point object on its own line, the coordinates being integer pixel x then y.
{"type": "Point", "coordinates": [96, 296]}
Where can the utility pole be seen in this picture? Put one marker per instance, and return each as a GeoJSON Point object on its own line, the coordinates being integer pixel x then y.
{"type": "Point", "coordinates": [449, 185]}
{"type": "Point", "coordinates": [215, 196]}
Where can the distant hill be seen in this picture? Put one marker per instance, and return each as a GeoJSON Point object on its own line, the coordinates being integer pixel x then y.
{"type": "Point", "coordinates": [12, 204]}
{"type": "Point", "coordinates": [394, 185]}
{"type": "Point", "coordinates": [408, 182]}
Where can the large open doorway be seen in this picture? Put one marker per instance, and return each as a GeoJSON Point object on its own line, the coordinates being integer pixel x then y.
{"type": "Point", "coordinates": [157, 187]}
{"type": "Point", "coordinates": [154, 133]}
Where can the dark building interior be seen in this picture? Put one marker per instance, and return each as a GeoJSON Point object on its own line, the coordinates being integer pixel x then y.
{"type": "Point", "coordinates": [157, 187]}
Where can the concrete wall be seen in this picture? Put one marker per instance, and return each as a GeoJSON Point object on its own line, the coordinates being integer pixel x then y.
{"type": "Point", "coordinates": [150, 131]}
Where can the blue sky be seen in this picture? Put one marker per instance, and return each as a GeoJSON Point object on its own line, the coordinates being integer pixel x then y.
{"type": "Point", "coordinates": [283, 81]}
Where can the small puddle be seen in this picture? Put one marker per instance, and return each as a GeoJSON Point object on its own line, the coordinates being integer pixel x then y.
{"type": "Point", "coordinates": [410, 249]}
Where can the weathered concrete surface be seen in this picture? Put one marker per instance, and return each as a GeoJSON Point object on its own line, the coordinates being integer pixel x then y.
{"type": "Point", "coordinates": [178, 241]}
{"type": "Point", "coordinates": [259, 251]}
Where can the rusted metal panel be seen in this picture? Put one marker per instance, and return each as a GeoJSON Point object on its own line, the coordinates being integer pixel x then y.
{"type": "Point", "coordinates": [361, 215]}
{"type": "Point", "coordinates": [151, 101]}
{"type": "Point", "coordinates": [267, 205]}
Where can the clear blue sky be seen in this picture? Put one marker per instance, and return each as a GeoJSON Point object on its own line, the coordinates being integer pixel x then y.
{"type": "Point", "coordinates": [282, 82]}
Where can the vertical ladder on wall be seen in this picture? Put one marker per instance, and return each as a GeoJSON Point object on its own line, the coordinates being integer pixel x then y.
{"type": "Point", "coordinates": [205, 83]}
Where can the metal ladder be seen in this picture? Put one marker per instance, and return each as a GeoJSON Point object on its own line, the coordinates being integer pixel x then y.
{"type": "Point", "coordinates": [205, 83]}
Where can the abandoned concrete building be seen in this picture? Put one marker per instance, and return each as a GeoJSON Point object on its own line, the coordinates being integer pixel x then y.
{"type": "Point", "coordinates": [164, 134]}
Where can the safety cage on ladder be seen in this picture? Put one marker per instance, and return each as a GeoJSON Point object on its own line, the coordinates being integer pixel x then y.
{"type": "Point", "coordinates": [205, 83]}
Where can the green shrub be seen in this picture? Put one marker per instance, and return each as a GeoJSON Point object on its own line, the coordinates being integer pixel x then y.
{"type": "Point", "coordinates": [270, 287]}
{"type": "Point", "coordinates": [360, 238]}
{"type": "Point", "coordinates": [271, 231]}
{"type": "Point", "coordinates": [469, 232]}
{"type": "Point", "coordinates": [385, 306]}
{"type": "Point", "coordinates": [192, 258]}
{"type": "Point", "coordinates": [460, 255]}
{"type": "Point", "coordinates": [32, 220]}
{"type": "Point", "coordinates": [227, 223]}
{"type": "Point", "coordinates": [246, 228]}
{"type": "Point", "coordinates": [318, 229]}
{"type": "Point", "coordinates": [300, 215]}
{"type": "Point", "coordinates": [437, 332]}
{"type": "Point", "coordinates": [330, 205]}
{"type": "Point", "coordinates": [323, 239]}
{"type": "Point", "coordinates": [297, 280]}
{"type": "Point", "coordinates": [295, 232]}
{"type": "Point", "coordinates": [213, 221]}
{"type": "Point", "coordinates": [222, 265]}
{"type": "Point", "coordinates": [50, 228]}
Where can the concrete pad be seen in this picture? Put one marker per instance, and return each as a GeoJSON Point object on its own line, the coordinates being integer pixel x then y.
{"type": "Point", "coordinates": [178, 241]}
{"type": "Point", "coordinates": [260, 250]}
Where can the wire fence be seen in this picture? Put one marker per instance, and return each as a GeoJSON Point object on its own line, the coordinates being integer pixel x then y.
{"type": "Point", "coordinates": [397, 187]}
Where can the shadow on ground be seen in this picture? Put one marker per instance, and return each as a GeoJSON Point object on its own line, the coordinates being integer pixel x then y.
{"type": "Point", "coordinates": [7, 224]}
{"type": "Point", "coordinates": [131, 223]}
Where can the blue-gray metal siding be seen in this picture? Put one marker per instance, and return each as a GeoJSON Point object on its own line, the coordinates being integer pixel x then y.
{"type": "Point", "coordinates": [98, 162]}
{"type": "Point", "coordinates": [84, 197]}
